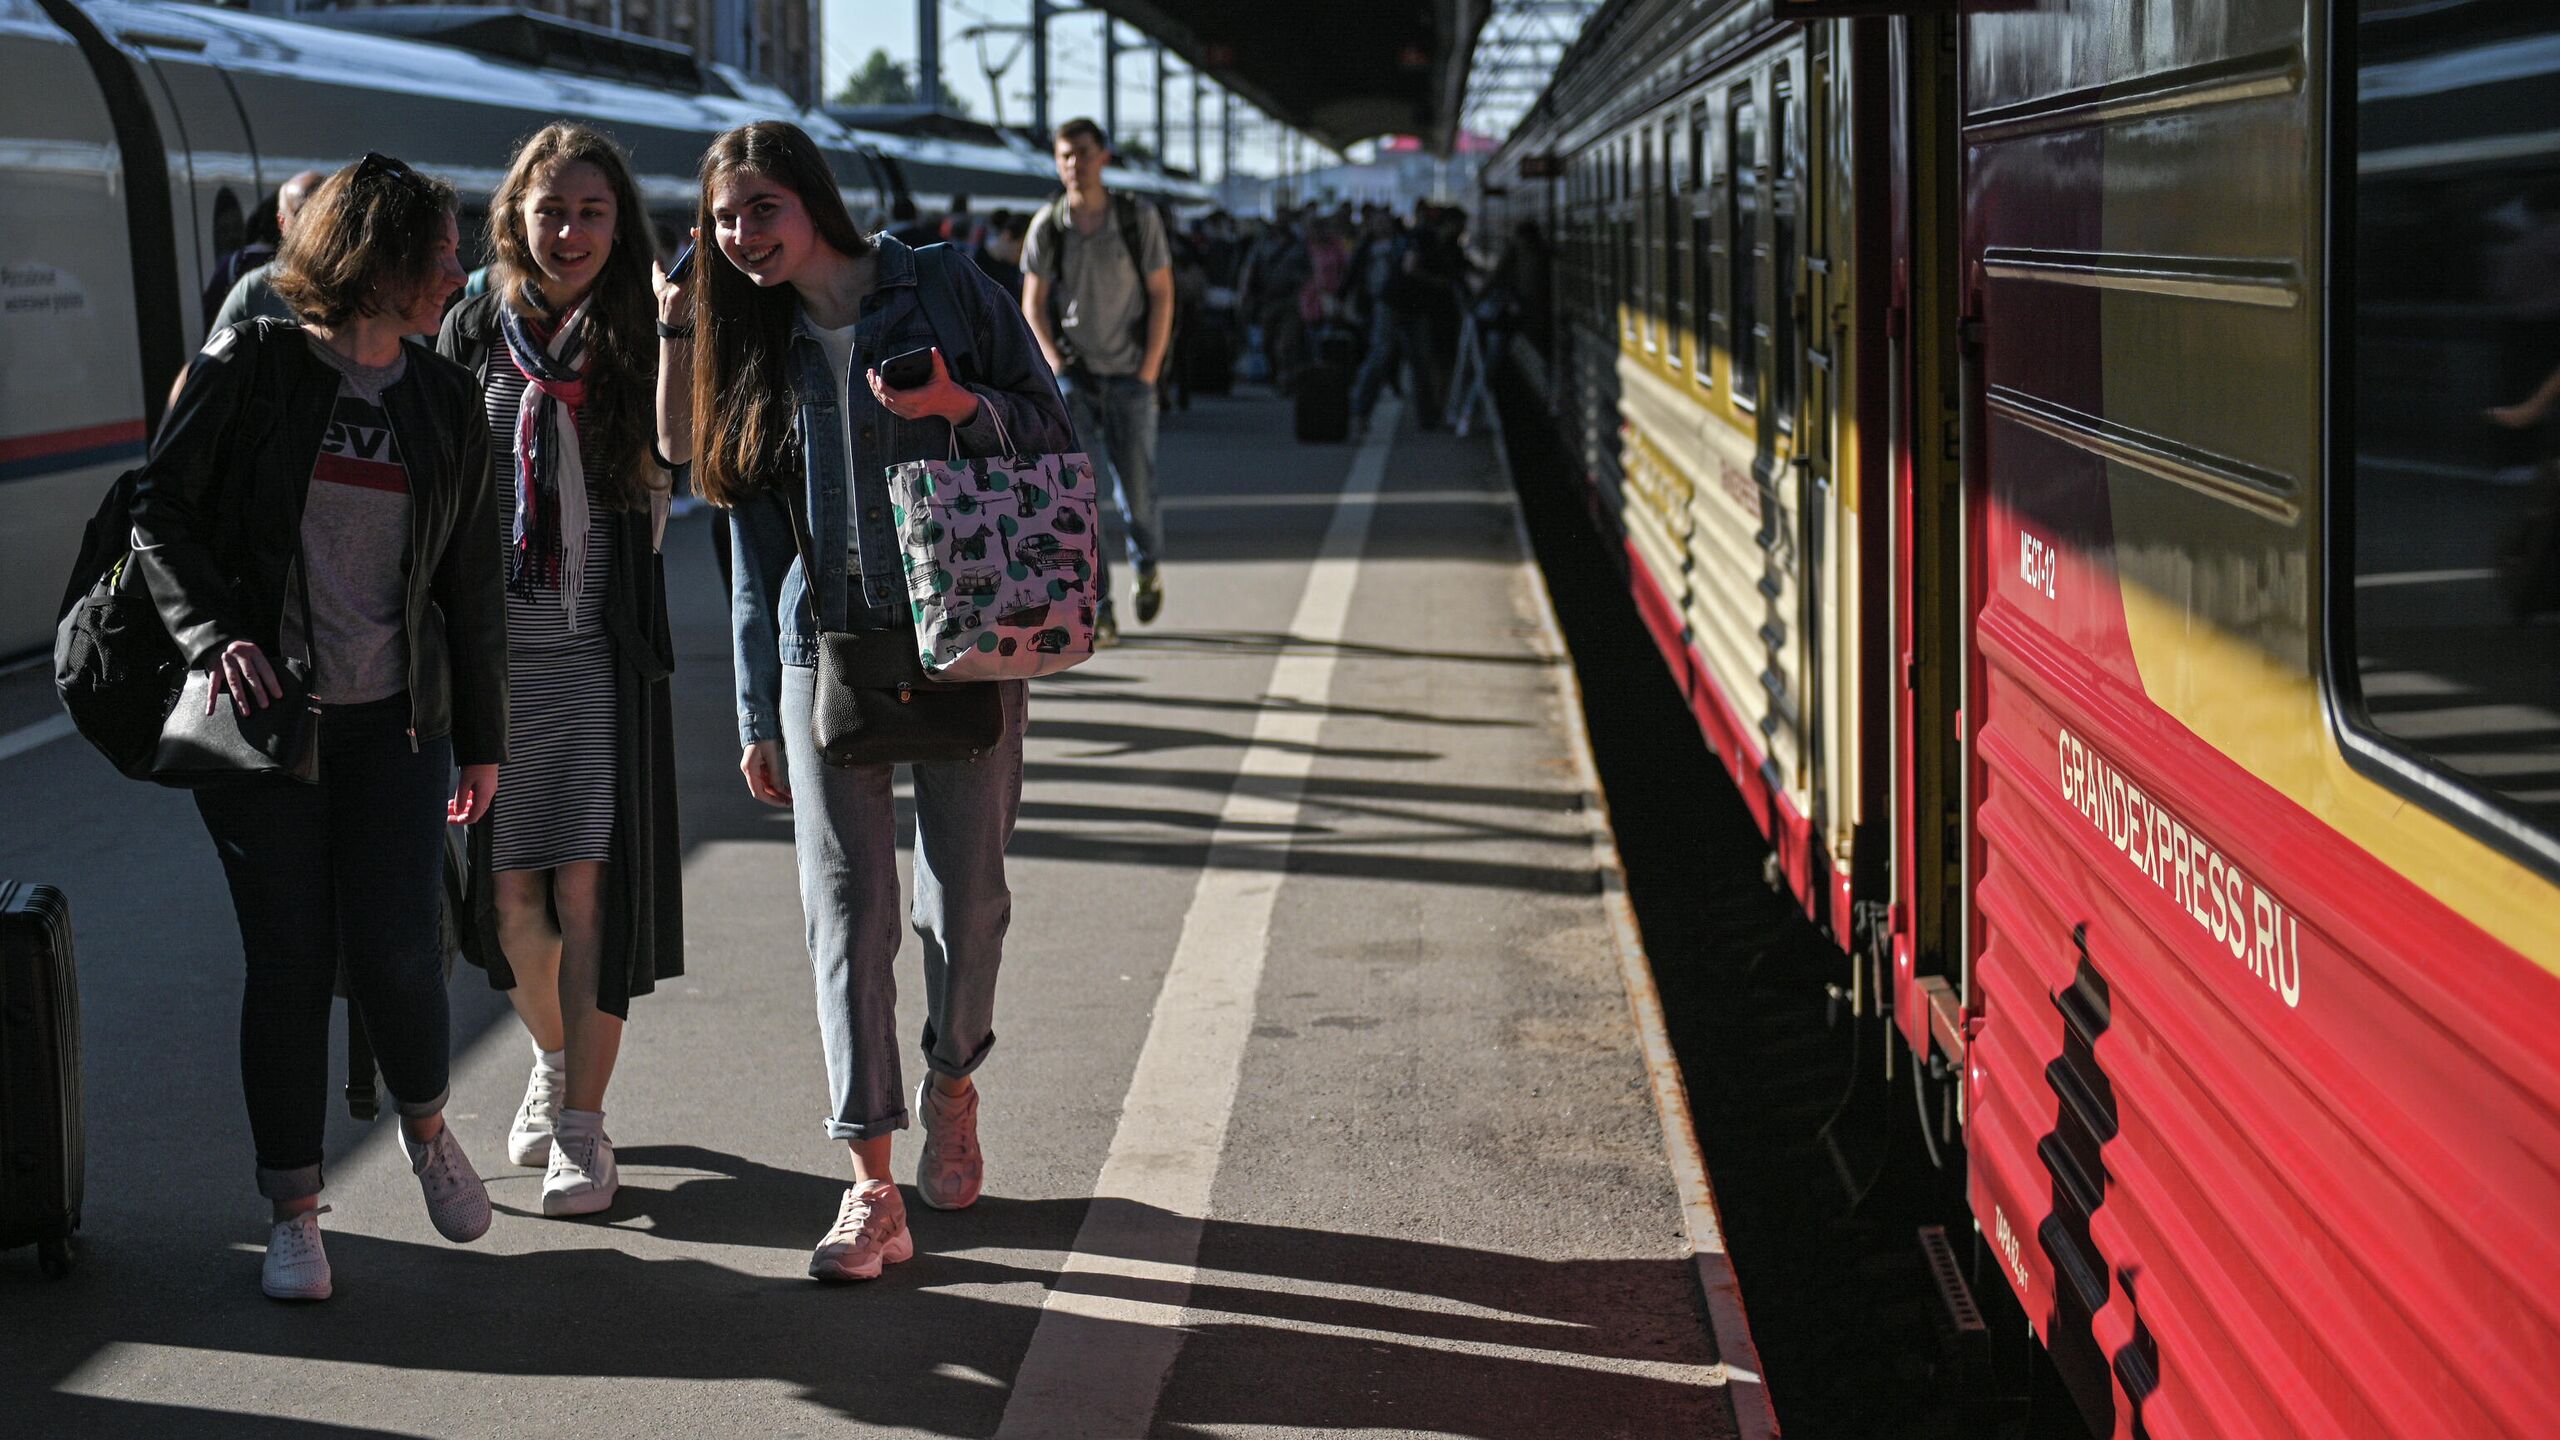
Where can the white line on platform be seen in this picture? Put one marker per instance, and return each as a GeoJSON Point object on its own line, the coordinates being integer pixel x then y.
{"type": "Point", "coordinates": [1097, 1362]}
{"type": "Point", "coordinates": [2422, 577]}
{"type": "Point", "coordinates": [28, 737]}
{"type": "Point", "coordinates": [1294, 499]}
{"type": "Point", "coordinates": [1737, 1353]}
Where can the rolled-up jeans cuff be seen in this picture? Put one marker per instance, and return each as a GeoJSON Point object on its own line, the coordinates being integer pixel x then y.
{"type": "Point", "coordinates": [421, 1109]}
{"type": "Point", "coordinates": [299, 1183]}
{"type": "Point", "coordinates": [961, 1071]}
{"type": "Point", "coordinates": [889, 1124]}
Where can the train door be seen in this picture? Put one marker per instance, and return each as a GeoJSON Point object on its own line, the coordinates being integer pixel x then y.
{"type": "Point", "coordinates": [210, 154]}
{"type": "Point", "coordinates": [72, 408]}
{"type": "Point", "coordinates": [1928, 338]}
{"type": "Point", "coordinates": [1825, 460]}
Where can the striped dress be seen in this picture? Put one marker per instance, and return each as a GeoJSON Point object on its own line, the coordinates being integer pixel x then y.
{"type": "Point", "coordinates": [555, 801]}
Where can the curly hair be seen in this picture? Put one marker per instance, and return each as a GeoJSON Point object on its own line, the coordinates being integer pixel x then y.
{"type": "Point", "coordinates": [368, 232]}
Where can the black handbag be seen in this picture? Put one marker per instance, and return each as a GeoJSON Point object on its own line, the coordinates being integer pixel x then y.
{"type": "Point", "coordinates": [224, 747]}
{"type": "Point", "coordinates": [873, 704]}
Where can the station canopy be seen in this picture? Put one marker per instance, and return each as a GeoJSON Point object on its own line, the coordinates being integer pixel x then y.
{"type": "Point", "coordinates": [1340, 70]}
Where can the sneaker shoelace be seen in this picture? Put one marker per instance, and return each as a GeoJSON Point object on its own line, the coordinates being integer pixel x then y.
{"type": "Point", "coordinates": [298, 1242]}
{"type": "Point", "coordinates": [441, 1173]}
{"type": "Point", "coordinates": [541, 1101]}
{"type": "Point", "coordinates": [579, 1150]}
{"type": "Point", "coordinates": [951, 1125]}
{"type": "Point", "coordinates": [853, 1219]}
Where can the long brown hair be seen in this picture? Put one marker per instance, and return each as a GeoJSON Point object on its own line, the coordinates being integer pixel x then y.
{"type": "Point", "coordinates": [619, 420]}
{"type": "Point", "coordinates": [742, 400]}
{"type": "Point", "coordinates": [368, 232]}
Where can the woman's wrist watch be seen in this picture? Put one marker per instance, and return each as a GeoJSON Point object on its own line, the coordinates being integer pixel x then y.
{"type": "Point", "coordinates": [674, 332]}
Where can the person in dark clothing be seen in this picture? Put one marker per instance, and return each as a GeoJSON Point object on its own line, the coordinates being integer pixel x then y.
{"type": "Point", "coordinates": [339, 464]}
{"type": "Point", "coordinates": [1399, 324]}
{"type": "Point", "coordinates": [575, 874]}
{"type": "Point", "coordinates": [1001, 254]}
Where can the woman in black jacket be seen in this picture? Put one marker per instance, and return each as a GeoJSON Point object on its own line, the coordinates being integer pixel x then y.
{"type": "Point", "coordinates": [320, 492]}
{"type": "Point", "coordinates": [576, 873]}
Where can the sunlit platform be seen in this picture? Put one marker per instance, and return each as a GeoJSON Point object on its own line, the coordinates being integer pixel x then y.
{"type": "Point", "coordinates": [1312, 981]}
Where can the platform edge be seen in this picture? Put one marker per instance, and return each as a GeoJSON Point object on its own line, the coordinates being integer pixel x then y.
{"type": "Point", "coordinates": [1746, 1388]}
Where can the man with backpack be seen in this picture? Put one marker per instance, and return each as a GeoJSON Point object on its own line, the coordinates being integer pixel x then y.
{"type": "Point", "coordinates": [1097, 289]}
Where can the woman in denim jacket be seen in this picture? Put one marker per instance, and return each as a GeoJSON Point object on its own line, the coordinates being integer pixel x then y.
{"type": "Point", "coordinates": [796, 309]}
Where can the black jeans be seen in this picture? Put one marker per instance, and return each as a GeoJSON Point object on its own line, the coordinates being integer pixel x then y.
{"type": "Point", "coordinates": [350, 868]}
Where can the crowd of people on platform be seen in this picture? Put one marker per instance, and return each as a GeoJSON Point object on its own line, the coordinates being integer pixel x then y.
{"type": "Point", "coordinates": [425, 509]}
{"type": "Point", "coordinates": [1258, 297]}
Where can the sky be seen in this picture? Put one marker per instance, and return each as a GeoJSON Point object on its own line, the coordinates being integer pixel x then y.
{"type": "Point", "coordinates": [854, 28]}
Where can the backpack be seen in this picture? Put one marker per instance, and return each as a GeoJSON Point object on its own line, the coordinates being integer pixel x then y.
{"type": "Point", "coordinates": [1133, 237]}
{"type": "Point", "coordinates": [114, 663]}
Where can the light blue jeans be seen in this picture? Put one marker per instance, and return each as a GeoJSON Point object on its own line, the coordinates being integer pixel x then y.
{"type": "Point", "coordinates": [1115, 419]}
{"type": "Point", "coordinates": [845, 828]}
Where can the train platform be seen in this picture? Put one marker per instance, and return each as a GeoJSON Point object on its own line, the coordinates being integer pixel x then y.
{"type": "Point", "coordinates": [1319, 1103]}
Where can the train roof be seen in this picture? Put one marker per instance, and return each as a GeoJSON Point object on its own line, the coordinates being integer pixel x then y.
{"type": "Point", "coordinates": [655, 98]}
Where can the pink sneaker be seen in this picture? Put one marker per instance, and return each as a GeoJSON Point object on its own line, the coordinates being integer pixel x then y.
{"type": "Point", "coordinates": [951, 1171]}
{"type": "Point", "coordinates": [870, 1231]}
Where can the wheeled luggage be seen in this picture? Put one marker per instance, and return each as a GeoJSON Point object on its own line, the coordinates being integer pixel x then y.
{"type": "Point", "coordinates": [1324, 403]}
{"type": "Point", "coordinates": [42, 1165]}
{"type": "Point", "coordinates": [1209, 354]}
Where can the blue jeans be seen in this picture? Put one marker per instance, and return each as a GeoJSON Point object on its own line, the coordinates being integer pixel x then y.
{"type": "Point", "coordinates": [1397, 337]}
{"type": "Point", "coordinates": [845, 829]}
{"type": "Point", "coordinates": [1115, 419]}
{"type": "Point", "coordinates": [351, 868]}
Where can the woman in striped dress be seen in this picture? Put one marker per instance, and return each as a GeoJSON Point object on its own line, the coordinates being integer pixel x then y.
{"type": "Point", "coordinates": [564, 346]}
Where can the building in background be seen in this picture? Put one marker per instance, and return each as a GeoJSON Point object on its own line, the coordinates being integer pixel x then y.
{"type": "Point", "coordinates": [775, 42]}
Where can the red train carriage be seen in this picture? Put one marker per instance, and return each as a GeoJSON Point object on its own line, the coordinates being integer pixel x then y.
{"type": "Point", "coordinates": [2080, 459]}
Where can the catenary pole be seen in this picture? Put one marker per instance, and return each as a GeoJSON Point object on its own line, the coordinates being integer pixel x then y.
{"type": "Point", "coordinates": [1040, 67]}
{"type": "Point", "coordinates": [929, 54]}
{"type": "Point", "coordinates": [1111, 77]}
{"type": "Point", "coordinates": [1164, 151]}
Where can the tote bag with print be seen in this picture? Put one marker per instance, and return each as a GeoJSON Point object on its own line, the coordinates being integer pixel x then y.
{"type": "Point", "coordinates": [1000, 561]}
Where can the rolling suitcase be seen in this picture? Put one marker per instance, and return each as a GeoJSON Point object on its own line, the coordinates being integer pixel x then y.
{"type": "Point", "coordinates": [1324, 404]}
{"type": "Point", "coordinates": [42, 1167]}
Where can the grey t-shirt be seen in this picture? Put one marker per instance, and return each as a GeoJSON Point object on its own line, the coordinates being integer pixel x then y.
{"type": "Point", "coordinates": [1102, 297]}
{"type": "Point", "coordinates": [355, 541]}
{"type": "Point", "coordinates": [251, 296]}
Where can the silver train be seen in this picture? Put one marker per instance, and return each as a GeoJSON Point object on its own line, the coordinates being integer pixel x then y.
{"type": "Point", "coordinates": [136, 136]}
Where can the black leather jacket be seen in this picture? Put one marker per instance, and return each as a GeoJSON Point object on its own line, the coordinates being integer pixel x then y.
{"type": "Point", "coordinates": [217, 519]}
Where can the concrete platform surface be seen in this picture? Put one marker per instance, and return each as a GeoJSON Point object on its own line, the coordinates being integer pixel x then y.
{"type": "Point", "coordinates": [1310, 979]}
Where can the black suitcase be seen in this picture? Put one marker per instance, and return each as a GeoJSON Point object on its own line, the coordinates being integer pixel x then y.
{"type": "Point", "coordinates": [1209, 364]}
{"type": "Point", "coordinates": [42, 1167]}
{"type": "Point", "coordinates": [1324, 404]}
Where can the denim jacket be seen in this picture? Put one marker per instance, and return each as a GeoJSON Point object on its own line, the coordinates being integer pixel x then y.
{"type": "Point", "coordinates": [773, 621]}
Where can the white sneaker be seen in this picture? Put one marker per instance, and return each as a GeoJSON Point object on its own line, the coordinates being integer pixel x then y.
{"type": "Point", "coordinates": [457, 1203]}
{"type": "Point", "coordinates": [870, 1231]}
{"type": "Point", "coordinates": [537, 1119]}
{"type": "Point", "coordinates": [583, 1178]}
{"type": "Point", "coordinates": [297, 1268]}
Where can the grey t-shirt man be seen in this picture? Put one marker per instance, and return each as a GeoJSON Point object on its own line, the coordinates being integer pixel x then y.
{"type": "Point", "coordinates": [253, 295]}
{"type": "Point", "coordinates": [1101, 300]}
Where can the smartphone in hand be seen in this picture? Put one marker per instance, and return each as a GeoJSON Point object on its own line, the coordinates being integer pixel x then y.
{"type": "Point", "coordinates": [682, 263]}
{"type": "Point", "coordinates": [908, 371]}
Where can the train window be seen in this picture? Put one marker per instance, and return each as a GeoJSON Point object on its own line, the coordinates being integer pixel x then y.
{"type": "Point", "coordinates": [1627, 302]}
{"type": "Point", "coordinates": [1675, 246]}
{"type": "Point", "coordinates": [1785, 134]}
{"type": "Point", "coordinates": [1746, 248]}
{"type": "Point", "coordinates": [1702, 243]}
{"type": "Point", "coordinates": [1651, 291]}
{"type": "Point", "coordinates": [2445, 515]}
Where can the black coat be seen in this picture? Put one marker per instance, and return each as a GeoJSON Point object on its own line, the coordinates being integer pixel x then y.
{"type": "Point", "coordinates": [644, 884]}
{"type": "Point", "coordinates": [217, 519]}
